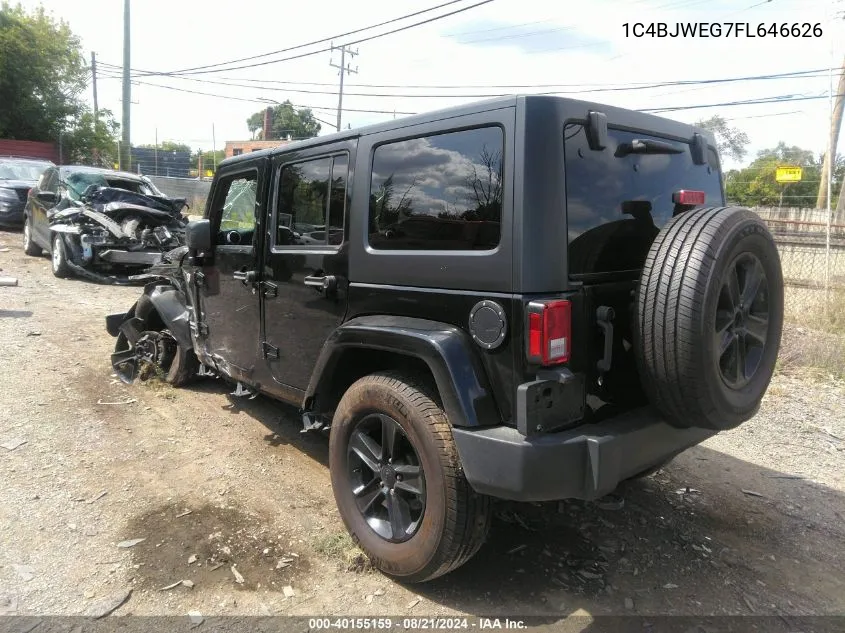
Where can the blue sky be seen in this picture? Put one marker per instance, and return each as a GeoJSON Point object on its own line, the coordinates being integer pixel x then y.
{"type": "Point", "coordinates": [577, 46]}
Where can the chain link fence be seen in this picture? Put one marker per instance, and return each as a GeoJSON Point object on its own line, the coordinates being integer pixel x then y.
{"type": "Point", "coordinates": [812, 254]}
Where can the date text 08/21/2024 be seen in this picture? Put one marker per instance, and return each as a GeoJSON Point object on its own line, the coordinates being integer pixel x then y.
{"type": "Point", "coordinates": [722, 29]}
{"type": "Point", "coordinates": [413, 624]}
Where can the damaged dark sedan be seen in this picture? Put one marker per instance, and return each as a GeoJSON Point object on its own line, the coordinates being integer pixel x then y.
{"type": "Point", "coordinates": [100, 224]}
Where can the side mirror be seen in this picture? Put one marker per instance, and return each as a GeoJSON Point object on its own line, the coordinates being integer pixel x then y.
{"type": "Point", "coordinates": [47, 197]}
{"type": "Point", "coordinates": [198, 236]}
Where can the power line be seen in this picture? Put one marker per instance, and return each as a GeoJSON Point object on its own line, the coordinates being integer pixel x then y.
{"type": "Point", "coordinates": [763, 100]}
{"type": "Point", "coordinates": [763, 116]}
{"type": "Point", "coordinates": [325, 39]}
{"type": "Point", "coordinates": [796, 74]}
{"type": "Point", "coordinates": [804, 74]}
{"type": "Point", "coordinates": [257, 100]}
{"type": "Point", "coordinates": [759, 101]}
{"type": "Point", "coordinates": [216, 69]}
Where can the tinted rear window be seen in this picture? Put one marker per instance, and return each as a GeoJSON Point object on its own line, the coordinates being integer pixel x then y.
{"type": "Point", "coordinates": [440, 192]}
{"type": "Point", "coordinates": [617, 202]}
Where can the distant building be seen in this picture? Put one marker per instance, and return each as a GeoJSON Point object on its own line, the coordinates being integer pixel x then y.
{"type": "Point", "coordinates": [236, 148]}
{"type": "Point", "coordinates": [148, 161]}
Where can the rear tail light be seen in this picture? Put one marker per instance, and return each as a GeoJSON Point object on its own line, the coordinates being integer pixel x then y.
{"type": "Point", "coordinates": [687, 196]}
{"type": "Point", "coordinates": [549, 339]}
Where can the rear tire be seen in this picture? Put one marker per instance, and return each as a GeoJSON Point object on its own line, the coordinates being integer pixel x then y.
{"type": "Point", "coordinates": [709, 317]}
{"type": "Point", "coordinates": [29, 247]}
{"type": "Point", "coordinates": [454, 519]}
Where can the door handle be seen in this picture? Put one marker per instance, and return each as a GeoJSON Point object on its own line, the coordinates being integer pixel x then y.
{"type": "Point", "coordinates": [326, 282]}
{"type": "Point", "coordinates": [246, 276]}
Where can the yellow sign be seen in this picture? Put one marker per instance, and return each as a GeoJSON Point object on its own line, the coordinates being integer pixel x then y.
{"type": "Point", "coordinates": [788, 174]}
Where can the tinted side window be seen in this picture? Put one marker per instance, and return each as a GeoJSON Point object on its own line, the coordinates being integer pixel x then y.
{"type": "Point", "coordinates": [440, 192]}
{"type": "Point", "coordinates": [312, 202]}
{"type": "Point", "coordinates": [618, 198]}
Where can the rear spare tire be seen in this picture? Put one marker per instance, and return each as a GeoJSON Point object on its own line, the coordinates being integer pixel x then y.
{"type": "Point", "coordinates": [709, 317]}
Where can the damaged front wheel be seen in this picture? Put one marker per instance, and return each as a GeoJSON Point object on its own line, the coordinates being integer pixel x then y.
{"type": "Point", "coordinates": [145, 354]}
{"type": "Point", "coordinates": [59, 257]}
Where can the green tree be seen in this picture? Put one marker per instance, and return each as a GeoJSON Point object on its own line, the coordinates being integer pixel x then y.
{"type": "Point", "coordinates": [756, 185]}
{"type": "Point", "coordinates": [87, 142]}
{"type": "Point", "coordinates": [209, 159]}
{"type": "Point", "coordinates": [730, 141]}
{"type": "Point", "coordinates": [42, 77]}
{"type": "Point", "coordinates": [299, 123]}
{"type": "Point", "coordinates": [168, 146]}
{"type": "Point", "coordinates": [42, 74]}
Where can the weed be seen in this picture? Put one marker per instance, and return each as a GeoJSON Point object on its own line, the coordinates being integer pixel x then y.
{"type": "Point", "coordinates": [340, 547]}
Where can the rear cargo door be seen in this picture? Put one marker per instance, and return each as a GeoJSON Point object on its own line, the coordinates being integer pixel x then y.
{"type": "Point", "coordinates": [618, 199]}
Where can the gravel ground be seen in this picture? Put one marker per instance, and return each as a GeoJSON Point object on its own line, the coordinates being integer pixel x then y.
{"type": "Point", "coordinates": [229, 495]}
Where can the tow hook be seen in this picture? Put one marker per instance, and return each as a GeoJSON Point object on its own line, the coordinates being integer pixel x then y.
{"type": "Point", "coordinates": [604, 317]}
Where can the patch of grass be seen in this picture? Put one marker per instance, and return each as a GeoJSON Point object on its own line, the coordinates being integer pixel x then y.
{"type": "Point", "coordinates": [153, 379]}
{"type": "Point", "coordinates": [816, 309]}
{"type": "Point", "coordinates": [340, 547]}
{"type": "Point", "coordinates": [815, 352]}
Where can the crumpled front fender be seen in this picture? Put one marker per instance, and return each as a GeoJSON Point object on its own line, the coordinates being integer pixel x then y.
{"type": "Point", "coordinates": [168, 302]}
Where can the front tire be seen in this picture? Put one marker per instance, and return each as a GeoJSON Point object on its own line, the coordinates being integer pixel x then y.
{"type": "Point", "coordinates": [397, 480]}
{"type": "Point", "coordinates": [29, 247]}
{"type": "Point", "coordinates": [146, 354]}
{"type": "Point", "coordinates": [59, 257]}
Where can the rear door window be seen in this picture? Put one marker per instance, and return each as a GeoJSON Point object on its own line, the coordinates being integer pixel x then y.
{"type": "Point", "coordinates": [619, 199]}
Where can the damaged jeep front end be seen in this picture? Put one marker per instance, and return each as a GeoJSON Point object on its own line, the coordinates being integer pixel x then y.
{"type": "Point", "coordinates": [158, 326]}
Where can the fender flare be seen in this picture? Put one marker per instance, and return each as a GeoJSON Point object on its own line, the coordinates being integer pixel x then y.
{"type": "Point", "coordinates": [446, 350]}
{"type": "Point", "coordinates": [171, 306]}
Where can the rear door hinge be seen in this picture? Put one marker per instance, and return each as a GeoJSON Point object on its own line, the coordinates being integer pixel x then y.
{"type": "Point", "coordinates": [269, 290]}
{"type": "Point", "coordinates": [604, 318]}
{"type": "Point", "coordinates": [269, 351]}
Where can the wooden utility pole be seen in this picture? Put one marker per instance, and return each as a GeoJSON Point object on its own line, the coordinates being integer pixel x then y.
{"type": "Point", "coordinates": [345, 69]}
{"type": "Point", "coordinates": [126, 145]}
{"type": "Point", "coordinates": [835, 127]}
{"type": "Point", "coordinates": [94, 83]}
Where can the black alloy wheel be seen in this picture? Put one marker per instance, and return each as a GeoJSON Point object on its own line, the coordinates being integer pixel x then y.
{"type": "Point", "coordinates": [386, 478]}
{"type": "Point", "coordinates": [742, 320]}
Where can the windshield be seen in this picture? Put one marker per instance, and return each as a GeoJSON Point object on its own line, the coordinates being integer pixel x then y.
{"type": "Point", "coordinates": [21, 170]}
{"type": "Point", "coordinates": [78, 182]}
{"type": "Point", "coordinates": [619, 198]}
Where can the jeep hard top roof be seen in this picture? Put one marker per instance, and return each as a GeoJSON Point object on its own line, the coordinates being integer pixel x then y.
{"type": "Point", "coordinates": [628, 118]}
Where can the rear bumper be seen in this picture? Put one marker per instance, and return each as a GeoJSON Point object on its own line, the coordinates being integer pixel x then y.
{"type": "Point", "coordinates": [586, 462]}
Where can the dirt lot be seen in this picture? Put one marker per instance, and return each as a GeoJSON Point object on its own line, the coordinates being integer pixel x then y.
{"type": "Point", "coordinates": [752, 522]}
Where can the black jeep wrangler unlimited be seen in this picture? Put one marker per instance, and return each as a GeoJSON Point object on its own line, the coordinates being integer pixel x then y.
{"type": "Point", "coordinates": [530, 298]}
